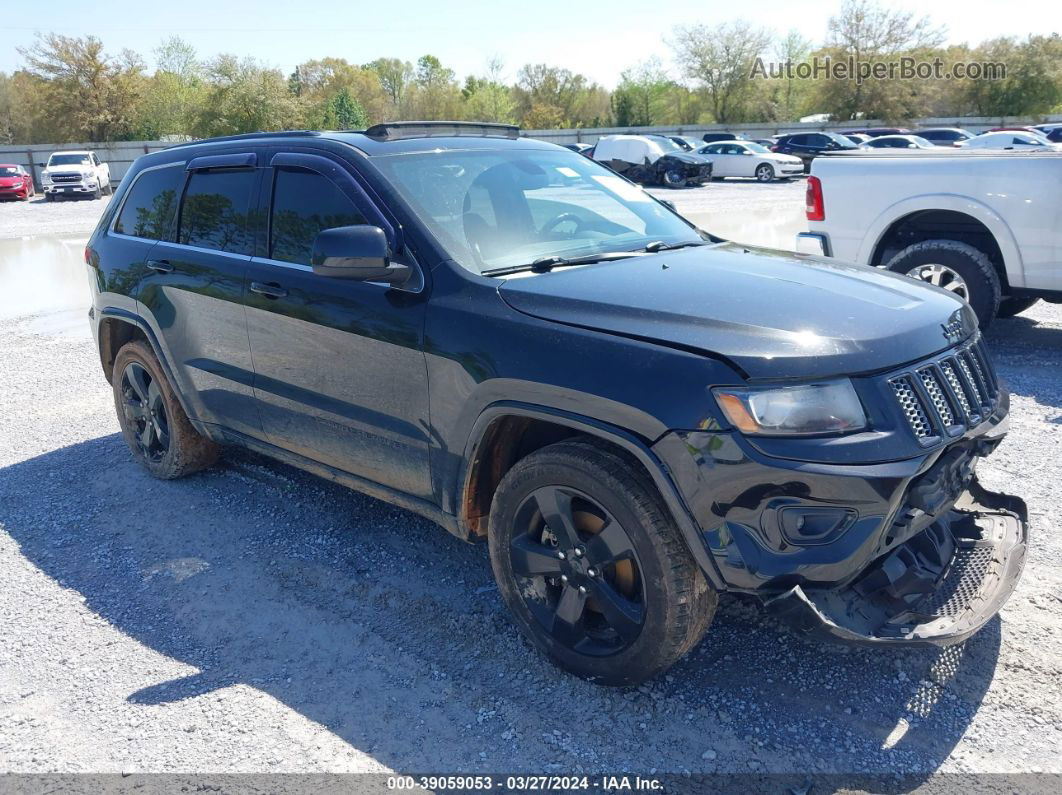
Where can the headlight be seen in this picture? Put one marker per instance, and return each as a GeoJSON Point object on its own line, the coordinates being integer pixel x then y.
{"type": "Point", "coordinates": [826, 407]}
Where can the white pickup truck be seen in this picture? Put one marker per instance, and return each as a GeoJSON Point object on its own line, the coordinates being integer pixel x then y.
{"type": "Point", "coordinates": [75, 174]}
{"type": "Point", "coordinates": [986, 225]}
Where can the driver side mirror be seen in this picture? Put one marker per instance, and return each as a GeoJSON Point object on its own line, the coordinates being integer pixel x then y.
{"type": "Point", "coordinates": [360, 253]}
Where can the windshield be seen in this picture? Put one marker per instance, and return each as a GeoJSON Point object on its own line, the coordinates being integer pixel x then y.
{"type": "Point", "coordinates": [841, 140]}
{"type": "Point", "coordinates": [8, 171]}
{"type": "Point", "coordinates": [68, 160]}
{"type": "Point", "coordinates": [496, 209]}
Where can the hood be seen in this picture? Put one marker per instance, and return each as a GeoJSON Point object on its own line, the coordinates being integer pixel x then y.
{"type": "Point", "coordinates": [686, 157]}
{"type": "Point", "coordinates": [79, 169]}
{"type": "Point", "coordinates": [6, 182]}
{"type": "Point", "coordinates": [773, 314]}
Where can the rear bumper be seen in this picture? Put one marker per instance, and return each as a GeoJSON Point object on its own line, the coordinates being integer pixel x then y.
{"type": "Point", "coordinates": [939, 588]}
{"type": "Point", "coordinates": [813, 243]}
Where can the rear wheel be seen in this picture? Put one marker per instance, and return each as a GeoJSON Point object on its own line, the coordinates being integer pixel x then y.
{"type": "Point", "coordinates": [153, 423]}
{"type": "Point", "coordinates": [592, 566]}
{"type": "Point", "coordinates": [1011, 306]}
{"type": "Point", "coordinates": [764, 172]}
{"type": "Point", "coordinates": [957, 267]}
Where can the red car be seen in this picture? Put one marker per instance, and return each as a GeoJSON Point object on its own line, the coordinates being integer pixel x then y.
{"type": "Point", "coordinates": [15, 183]}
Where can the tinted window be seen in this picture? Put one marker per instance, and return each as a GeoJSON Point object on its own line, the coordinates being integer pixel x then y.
{"type": "Point", "coordinates": [151, 204]}
{"type": "Point", "coordinates": [215, 211]}
{"type": "Point", "coordinates": [304, 203]}
{"type": "Point", "coordinates": [800, 140]}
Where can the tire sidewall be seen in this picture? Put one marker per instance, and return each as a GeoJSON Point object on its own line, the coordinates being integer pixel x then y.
{"type": "Point", "coordinates": [982, 282]}
{"type": "Point", "coordinates": [636, 662]}
{"type": "Point", "coordinates": [764, 168]}
{"type": "Point", "coordinates": [670, 182]}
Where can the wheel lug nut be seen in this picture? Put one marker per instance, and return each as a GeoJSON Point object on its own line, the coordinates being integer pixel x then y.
{"type": "Point", "coordinates": [591, 573]}
{"type": "Point", "coordinates": [578, 552]}
{"type": "Point", "coordinates": [582, 590]}
{"type": "Point", "coordinates": [564, 578]}
{"type": "Point", "coordinates": [561, 555]}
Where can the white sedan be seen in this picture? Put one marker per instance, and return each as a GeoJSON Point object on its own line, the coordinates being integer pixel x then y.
{"type": "Point", "coordinates": [750, 159]}
{"type": "Point", "coordinates": [1021, 141]}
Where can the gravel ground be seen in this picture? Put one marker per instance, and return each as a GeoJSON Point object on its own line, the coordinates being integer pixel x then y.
{"type": "Point", "coordinates": [254, 618]}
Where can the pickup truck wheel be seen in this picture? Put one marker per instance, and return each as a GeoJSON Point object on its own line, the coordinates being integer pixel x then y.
{"type": "Point", "coordinates": [957, 267]}
{"type": "Point", "coordinates": [1010, 306]}
{"type": "Point", "coordinates": [153, 423]}
{"type": "Point", "coordinates": [98, 192]}
{"type": "Point", "coordinates": [764, 173]}
{"type": "Point", "coordinates": [592, 566]}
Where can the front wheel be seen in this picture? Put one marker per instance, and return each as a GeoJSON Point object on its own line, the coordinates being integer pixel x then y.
{"type": "Point", "coordinates": [764, 173]}
{"type": "Point", "coordinates": [153, 423]}
{"type": "Point", "coordinates": [956, 267]}
{"type": "Point", "coordinates": [673, 178]}
{"type": "Point", "coordinates": [592, 567]}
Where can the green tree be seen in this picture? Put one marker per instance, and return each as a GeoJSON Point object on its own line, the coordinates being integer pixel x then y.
{"type": "Point", "coordinates": [870, 33]}
{"type": "Point", "coordinates": [642, 95]}
{"type": "Point", "coordinates": [88, 95]}
{"type": "Point", "coordinates": [345, 113]}
{"type": "Point", "coordinates": [1033, 82]}
{"type": "Point", "coordinates": [244, 96]}
{"type": "Point", "coordinates": [720, 58]}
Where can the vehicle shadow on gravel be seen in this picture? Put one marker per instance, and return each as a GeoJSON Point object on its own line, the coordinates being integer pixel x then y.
{"type": "Point", "coordinates": [388, 632]}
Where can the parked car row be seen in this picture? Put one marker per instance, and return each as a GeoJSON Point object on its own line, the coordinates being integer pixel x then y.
{"type": "Point", "coordinates": [72, 174]}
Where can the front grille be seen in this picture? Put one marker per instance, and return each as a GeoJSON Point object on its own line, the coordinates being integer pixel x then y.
{"type": "Point", "coordinates": [949, 394]}
{"type": "Point", "coordinates": [66, 178]}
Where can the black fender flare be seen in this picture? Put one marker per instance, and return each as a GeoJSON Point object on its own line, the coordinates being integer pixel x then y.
{"type": "Point", "coordinates": [620, 437]}
{"type": "Point", "coordinates": [133, 319]}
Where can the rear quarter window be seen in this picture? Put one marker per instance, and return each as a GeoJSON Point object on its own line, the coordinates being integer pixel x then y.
{"type": "Point", "coordinates": [150, 207]}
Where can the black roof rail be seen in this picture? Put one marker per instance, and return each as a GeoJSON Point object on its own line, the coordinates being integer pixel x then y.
{"type": "Point", "coordinates": [397, 130]}
{"type": "Point", "coordinates": [251, 137]}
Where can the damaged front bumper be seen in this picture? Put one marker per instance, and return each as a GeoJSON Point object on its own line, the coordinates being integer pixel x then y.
{"type": "Point", "coordinates": [938, 588]}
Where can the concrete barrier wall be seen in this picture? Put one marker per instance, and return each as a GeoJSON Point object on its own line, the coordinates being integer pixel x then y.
{"type": "Point", "coordinates": [118, 154]}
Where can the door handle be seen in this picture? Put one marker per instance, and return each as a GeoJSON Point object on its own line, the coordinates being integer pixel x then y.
{"type": "Point", "coordinates": [270, 290]}
{"type": "Point", "coordinates": [160, 265]}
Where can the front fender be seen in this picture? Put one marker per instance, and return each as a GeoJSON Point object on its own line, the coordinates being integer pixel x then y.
{"type": "Point", "coordinates": [623, 439]}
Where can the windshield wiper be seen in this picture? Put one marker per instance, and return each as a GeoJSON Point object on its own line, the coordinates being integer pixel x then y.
{"type": "Point", "coordinates": [660, 245]}
{"type": "Point", "coordinates": [546, 264]}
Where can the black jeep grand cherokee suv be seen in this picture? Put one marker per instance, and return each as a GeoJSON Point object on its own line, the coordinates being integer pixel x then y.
{"type": "Point", "coordinates": [509, 339]}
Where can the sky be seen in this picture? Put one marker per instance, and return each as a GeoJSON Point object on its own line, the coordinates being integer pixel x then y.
{"type": "Point", "coordinates": [598, 38]}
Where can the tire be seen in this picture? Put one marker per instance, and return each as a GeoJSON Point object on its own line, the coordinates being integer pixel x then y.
{"type": "Point", "coordinates": [764, 172]}
{"type": "Point", "coordinates": [109, 190]}
{"type": "Point", "coordinates": [96, 194]}
{"type": "Point", "coordinates": [1011, 306]}
{"type": "Point", "coordinates": [147, 402]}
{"type": "Point", "coordinates": [980, 282]}
{"type": "Point", "coordinates": [49, 197]}
{"type": "Point", "coordinates": [645, 575]}
{"type": "Point", "coordinates": [673, 178]}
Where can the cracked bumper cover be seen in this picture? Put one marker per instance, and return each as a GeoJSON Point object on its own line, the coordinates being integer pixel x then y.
{"type": "Point", "coordinates": [938, 588]}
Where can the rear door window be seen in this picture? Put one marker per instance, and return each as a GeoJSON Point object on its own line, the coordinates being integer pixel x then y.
{"type": "Point", "coordinates": [215, 211]}
{"type": "Point", "coordinates": [151, 205]}
{"type": "Point", "coordinates": [305, 203]}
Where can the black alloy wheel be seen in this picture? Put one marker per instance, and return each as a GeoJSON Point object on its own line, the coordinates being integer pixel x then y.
{"type": "Point", "coordinates": [145, 409]}
{"type": "Point", "coordinates": [578, 570]}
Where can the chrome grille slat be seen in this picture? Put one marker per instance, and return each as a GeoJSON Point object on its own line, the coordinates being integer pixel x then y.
{"type": "Point", "coordinates": [936, 394]}
{"type": "Point", "coordinates": [912, 407]}
{"type": "Point", "coordinates": [956, 388]}
{"type": "Point", "coordinates": [941, 396]}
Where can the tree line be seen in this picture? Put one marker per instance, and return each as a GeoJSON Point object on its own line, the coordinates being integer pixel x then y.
{"type": "Point", "coordinates": [73, 89]}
